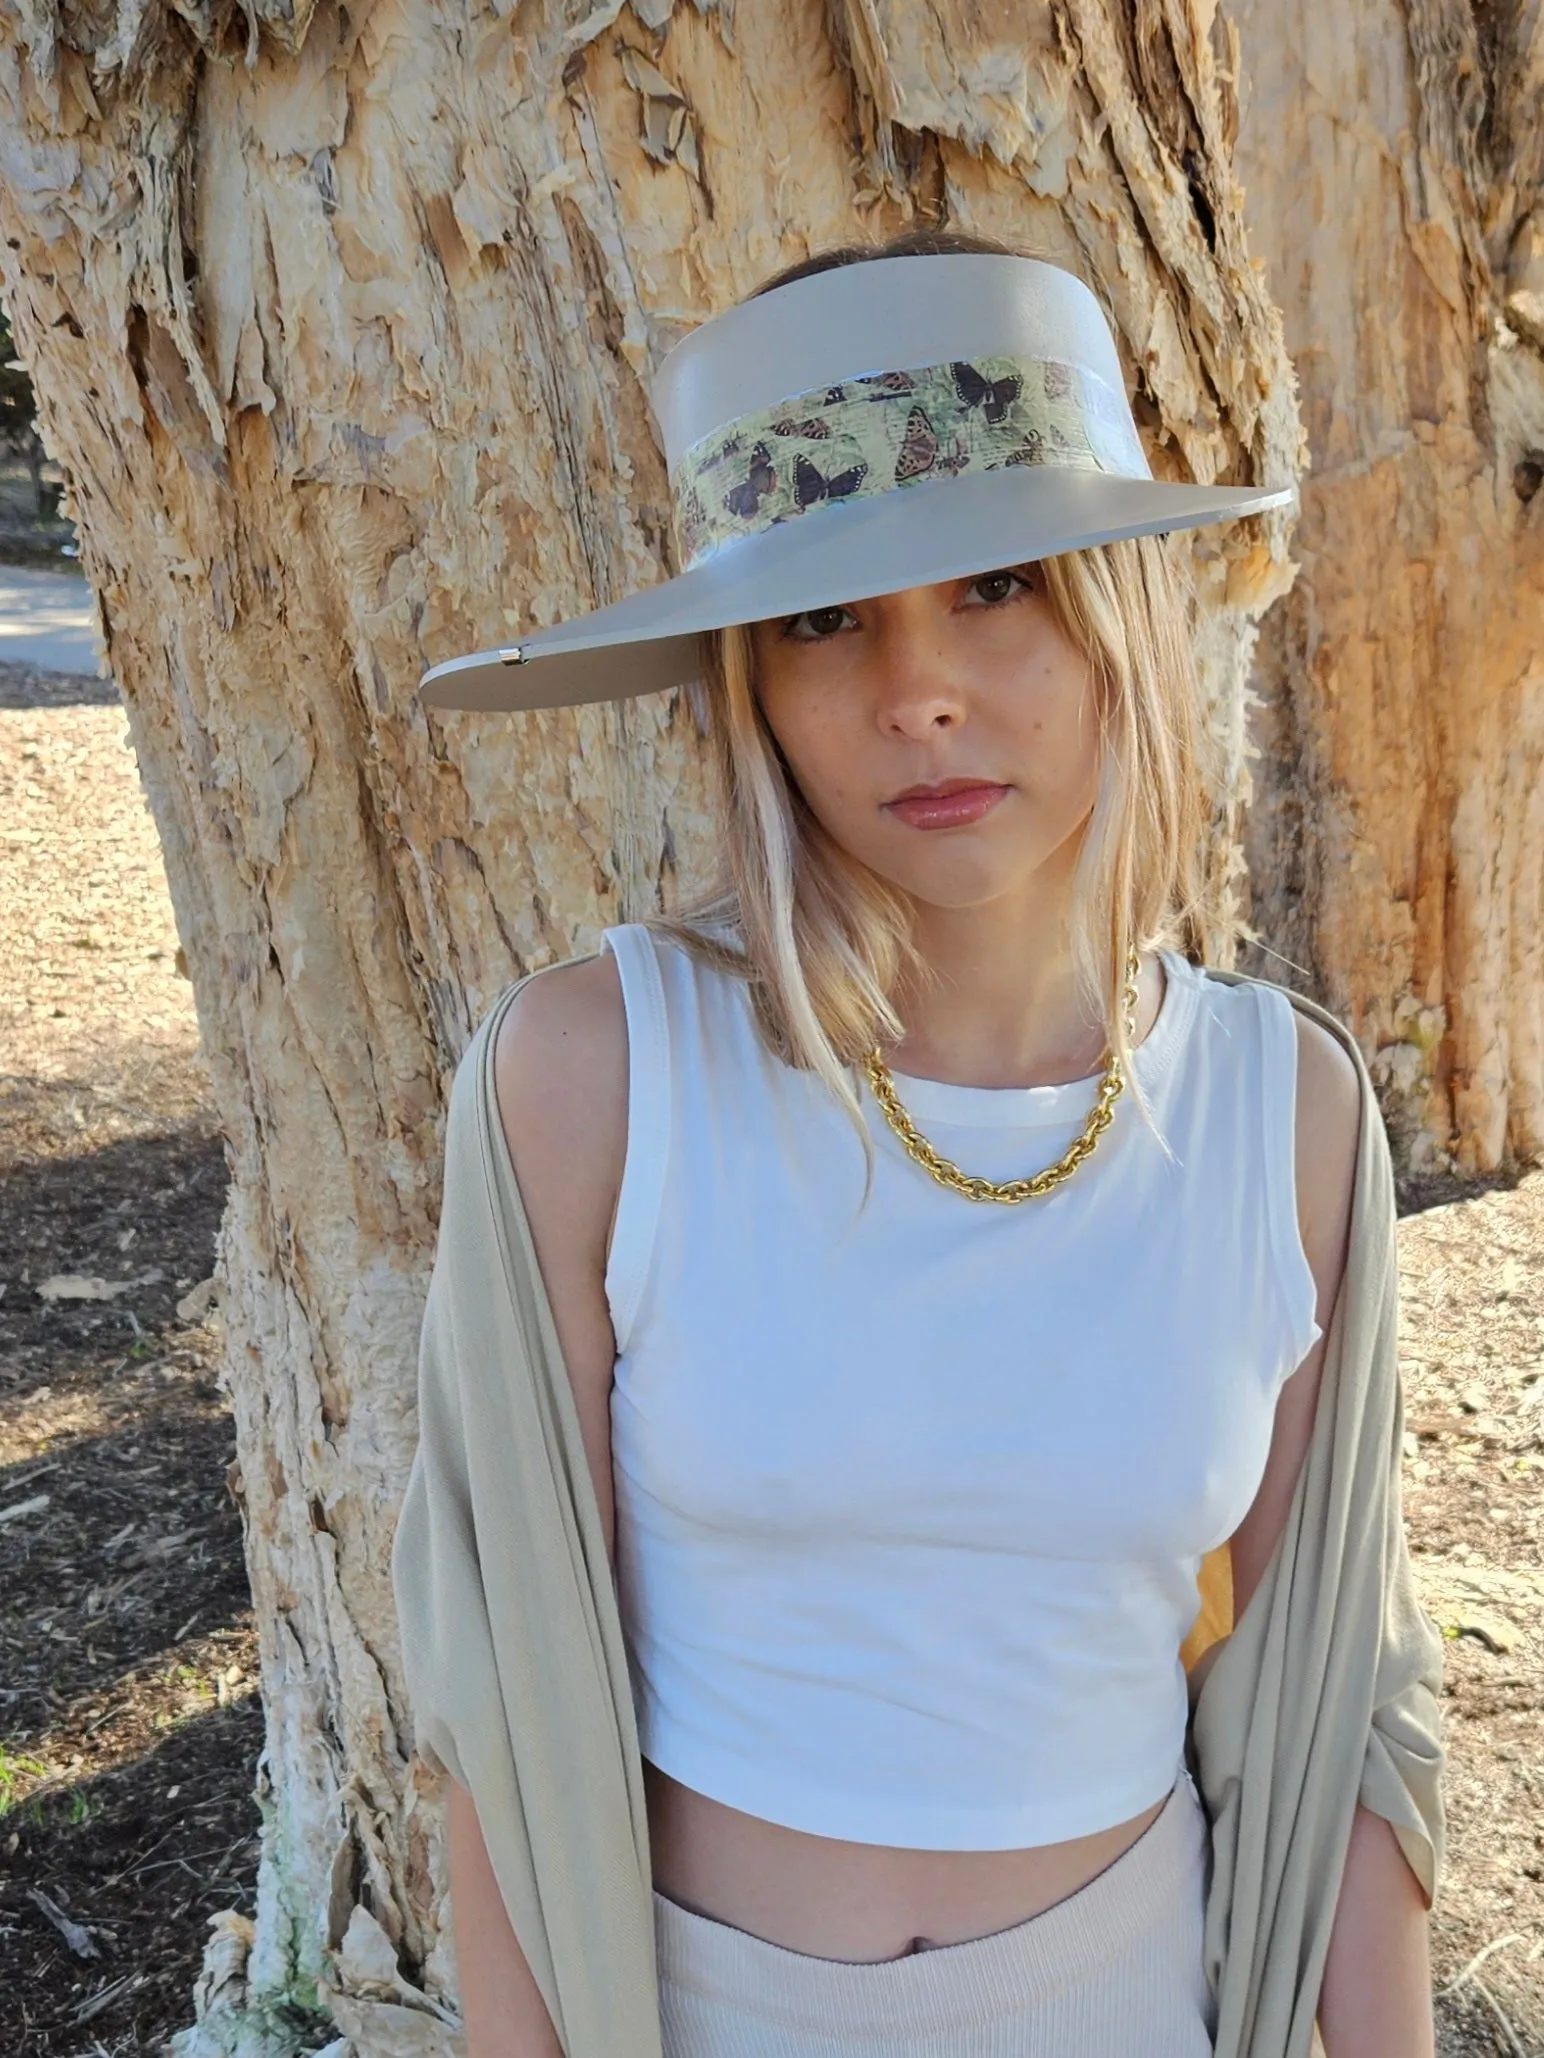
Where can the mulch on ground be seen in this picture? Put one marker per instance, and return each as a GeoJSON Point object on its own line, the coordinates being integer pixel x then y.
{"type": "Point", "coordinates": [130, 1715]}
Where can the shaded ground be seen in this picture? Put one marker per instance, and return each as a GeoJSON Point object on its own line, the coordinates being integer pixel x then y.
{"type": "Point", "coordinates": [129, 1720]}
{"type": "Point", "coordinates": [129, 1715]}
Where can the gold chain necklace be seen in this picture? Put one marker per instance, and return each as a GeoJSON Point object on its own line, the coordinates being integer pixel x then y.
{"type": "Point", "coordinates": [1011, 1191]}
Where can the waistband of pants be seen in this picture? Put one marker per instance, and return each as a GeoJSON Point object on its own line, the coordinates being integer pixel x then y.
{"type": "Point", "coordinates": [1144, 1891]}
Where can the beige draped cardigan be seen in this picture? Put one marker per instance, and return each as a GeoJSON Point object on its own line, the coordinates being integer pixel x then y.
{"type": "Point", "coordinates": [1325, 1690]}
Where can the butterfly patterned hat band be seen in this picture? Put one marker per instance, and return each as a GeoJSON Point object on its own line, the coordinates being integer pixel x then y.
{"type": "Point", "coordinates": [880, 425]}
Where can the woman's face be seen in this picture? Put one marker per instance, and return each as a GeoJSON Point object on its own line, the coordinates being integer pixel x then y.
{"type": "Point", "coordinates": [970, 683]}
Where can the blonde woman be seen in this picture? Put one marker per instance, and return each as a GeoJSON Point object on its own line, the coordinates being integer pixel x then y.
{"type": "Point", "coordinates": [940, 1261]}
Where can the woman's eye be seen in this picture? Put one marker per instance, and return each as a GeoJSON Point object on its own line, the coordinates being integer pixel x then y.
{"type": "Point", "coordinates": [996, 587]}
{"type": "Point", "coordinates": [820, 624]}
{"type": "Point", "coordinates": [823, 621]}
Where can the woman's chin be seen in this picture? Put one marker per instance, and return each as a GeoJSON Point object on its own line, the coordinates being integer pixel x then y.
{"type": "Point", "coordinates": [957, 888]}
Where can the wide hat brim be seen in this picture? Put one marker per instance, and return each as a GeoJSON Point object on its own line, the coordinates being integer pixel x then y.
{"type": "Point", "coordinates": [933, 530]}
{"type": "Point", "coordinates": [853, 432]}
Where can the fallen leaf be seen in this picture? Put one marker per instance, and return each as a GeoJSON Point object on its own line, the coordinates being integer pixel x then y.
{"type": "Point", "coordinates": [79, 1286]}
{"type": "Point", "coordinates": [38, 1500]}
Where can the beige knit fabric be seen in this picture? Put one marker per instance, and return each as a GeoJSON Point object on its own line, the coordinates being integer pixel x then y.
{"type": "Point", "coordinates": [1112, 1971]}
{"type": "Point", "coordinates": [516, 1673]}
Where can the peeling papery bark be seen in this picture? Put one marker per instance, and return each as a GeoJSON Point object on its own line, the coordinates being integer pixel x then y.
{"type": "Point", "coordinates": [1394, 161]}
{"type": "Point", "coordinates": [341, 320]}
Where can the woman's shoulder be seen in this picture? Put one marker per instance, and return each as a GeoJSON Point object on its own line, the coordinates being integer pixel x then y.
{"type": "Point", "coordinates": [566, 1015]}
{"type": "Point", "coordinates": [560, 1075]}
{"type": "Point", "coordinates": [1326, 1070]}
{"type": "Point", "coordinates": [1329, 1094]}
{"type": "Point", "coordinates": [1328, 1130]}
{"type": "Point", "coordinates": [1328, 1103]}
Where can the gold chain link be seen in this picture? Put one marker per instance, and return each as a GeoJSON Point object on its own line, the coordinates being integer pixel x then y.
{"type": "Point", "coordinates": [1011, 1191]}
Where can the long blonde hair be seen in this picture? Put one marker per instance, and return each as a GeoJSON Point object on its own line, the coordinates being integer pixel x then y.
{"type": "Point", "coordinates": [823, 942]}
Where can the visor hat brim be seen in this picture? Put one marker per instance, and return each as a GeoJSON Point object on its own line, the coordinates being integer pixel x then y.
{"type": "Point", "coordinates": [854, 432]}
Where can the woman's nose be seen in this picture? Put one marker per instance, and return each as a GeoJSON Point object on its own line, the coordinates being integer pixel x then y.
{"type": "Point", "coordinates": [918, 692]}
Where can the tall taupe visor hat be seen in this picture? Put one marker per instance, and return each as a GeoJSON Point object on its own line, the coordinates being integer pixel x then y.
{"type": "Point", "coordinates": [879, 425]}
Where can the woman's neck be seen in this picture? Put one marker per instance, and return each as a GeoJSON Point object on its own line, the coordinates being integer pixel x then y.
{"type": "Point", "coordinates": [1006, 1009]}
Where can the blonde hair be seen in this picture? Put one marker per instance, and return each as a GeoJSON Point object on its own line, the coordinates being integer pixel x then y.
{"type": "Point", "coordinates": [823, 942]}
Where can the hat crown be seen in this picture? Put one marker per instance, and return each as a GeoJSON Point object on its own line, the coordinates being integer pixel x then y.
{"type": "Point", "coordinates": [885, 314]}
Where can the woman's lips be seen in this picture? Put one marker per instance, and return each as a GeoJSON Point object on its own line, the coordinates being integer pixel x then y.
{"type": "Point", "coordinates": [947, 810]}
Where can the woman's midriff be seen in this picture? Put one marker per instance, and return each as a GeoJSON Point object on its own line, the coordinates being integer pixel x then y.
{"type": "Point", "coordinates": [861, 1903]}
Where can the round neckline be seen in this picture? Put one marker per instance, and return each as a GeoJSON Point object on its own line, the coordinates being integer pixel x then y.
{"type": "Point", "coordinates": [1027, 1107]}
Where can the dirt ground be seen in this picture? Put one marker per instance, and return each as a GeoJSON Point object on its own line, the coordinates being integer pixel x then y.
{"type": "Point", "coordinates": [129, 1714]}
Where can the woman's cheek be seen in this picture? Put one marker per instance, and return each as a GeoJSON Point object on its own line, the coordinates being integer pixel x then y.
{"type": "Point", "coordinates": [820, 760]}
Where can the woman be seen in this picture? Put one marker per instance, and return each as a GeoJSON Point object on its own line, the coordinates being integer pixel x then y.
{"type": "Point", "coordinates": [942, 1264]}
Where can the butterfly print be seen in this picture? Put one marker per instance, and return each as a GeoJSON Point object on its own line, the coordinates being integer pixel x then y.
{"type": "Point", "coordinates": [919, 448]}
{"type": "Point", "coordinates": [886, 383]}
{"type": "Point", "coordinates": [834, 396]}
{"type": "Point", "coordinates": [1057, 381]}
{"type": "Point", "coordinates": [993, 396]}
{"type": "Point", "coordinates": [813, 427]}
{"type": "Point", "coordinates": [731, 446]}
{"type": "Point", "coordinates": [811, 484]}
{"type": "Point", "coordinates": [1030, 451]}
{"type": "Point", "coordinates": [744, 499]}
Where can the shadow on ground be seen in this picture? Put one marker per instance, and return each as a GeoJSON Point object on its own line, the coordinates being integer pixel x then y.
{"type": "Point", "coordinates": [30, 686]}
{"type": "Point", "coordinates": [130, 1722]}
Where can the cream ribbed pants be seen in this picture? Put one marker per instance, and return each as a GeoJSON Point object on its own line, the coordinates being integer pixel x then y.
{"type": "Point", "coordinates": [1112, 1971]}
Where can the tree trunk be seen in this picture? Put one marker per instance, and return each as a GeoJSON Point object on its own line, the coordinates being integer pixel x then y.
{"type": "Point", "coordinates": [339, 319]}
{"type": "Point", "coordinates": [1392, 152]}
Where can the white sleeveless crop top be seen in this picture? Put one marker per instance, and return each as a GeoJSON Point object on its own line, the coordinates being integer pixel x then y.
{"type": "Point", "coordinates": [911, 1501]}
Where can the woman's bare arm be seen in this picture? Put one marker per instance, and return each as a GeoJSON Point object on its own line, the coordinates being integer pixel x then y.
{"type": "Point", "coordinates": [1375, 1998]}
{"type": "Point", "coordinates": [502, 2011]}
{"type": "Point", "coordinates": [560, 1073]}
{"type": "Point", "coordinates": [1328, 1125]}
